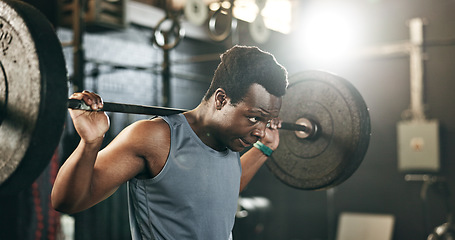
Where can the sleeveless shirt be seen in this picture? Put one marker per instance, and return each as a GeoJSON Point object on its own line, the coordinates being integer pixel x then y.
{"type": "Point", "coordinates": [193, 197]}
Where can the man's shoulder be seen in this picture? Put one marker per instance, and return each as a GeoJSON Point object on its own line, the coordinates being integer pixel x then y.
{"type": "Point", "coordinates": [154, 126]}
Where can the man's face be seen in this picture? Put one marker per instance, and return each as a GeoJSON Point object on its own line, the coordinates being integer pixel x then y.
{"type": "Point", "coordinates": [246, 122]}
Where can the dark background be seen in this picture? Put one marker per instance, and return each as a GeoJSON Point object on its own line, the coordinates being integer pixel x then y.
{"type": "Point", "coordinates": [376, 187]}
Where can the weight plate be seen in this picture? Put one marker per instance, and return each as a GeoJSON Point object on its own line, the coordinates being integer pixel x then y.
{"type": "Point", "coordinates": [196, 11]}
{"type": "Point", "coordinates": [341, 142]}
{"type": "Point", "coordinates": [33, 94]}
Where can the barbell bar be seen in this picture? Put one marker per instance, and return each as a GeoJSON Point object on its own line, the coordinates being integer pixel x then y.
{"type": "Point", "coordinates": [163, 111]}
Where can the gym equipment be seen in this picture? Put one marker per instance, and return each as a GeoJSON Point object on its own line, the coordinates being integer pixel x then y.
{"type": "Point", "coordinates": [324, 137]}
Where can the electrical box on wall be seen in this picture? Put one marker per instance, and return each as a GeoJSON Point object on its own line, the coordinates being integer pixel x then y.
{"type": "Point", "coordinates": [418, 146]}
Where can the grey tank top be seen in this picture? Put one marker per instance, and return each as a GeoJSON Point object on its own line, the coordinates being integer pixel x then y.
{"type": "Point", "coordinates": [193, 197]}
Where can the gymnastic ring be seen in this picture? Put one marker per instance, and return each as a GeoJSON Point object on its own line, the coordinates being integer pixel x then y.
{"type": "Point", "coordinates": [212, 24]}
{"type": "Point", "coordinates": [175, 29]}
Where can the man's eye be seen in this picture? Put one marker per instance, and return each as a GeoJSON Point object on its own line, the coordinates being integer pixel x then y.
{"type": "Point", "coordinates": [253, 119]}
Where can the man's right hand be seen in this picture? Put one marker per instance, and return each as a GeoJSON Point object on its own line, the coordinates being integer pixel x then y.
{"type": "Point", "coordinates": [90, 125]}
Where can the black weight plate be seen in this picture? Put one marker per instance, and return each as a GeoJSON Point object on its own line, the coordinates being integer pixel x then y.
{"type": "Point", "coordinates": [33, 94]}
{"type": "Point", "coordinates": [341, 142]}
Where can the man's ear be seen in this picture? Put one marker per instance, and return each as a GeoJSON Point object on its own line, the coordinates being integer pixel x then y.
{"type": "Point", "coordinates": [221, 98]}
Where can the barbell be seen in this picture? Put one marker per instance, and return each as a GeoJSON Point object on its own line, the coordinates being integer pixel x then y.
{"type": "Point", "coordinates": [324, 136]}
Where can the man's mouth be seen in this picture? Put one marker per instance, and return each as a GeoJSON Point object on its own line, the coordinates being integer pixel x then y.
{"type": "Point", "coordinates": [244, 142]}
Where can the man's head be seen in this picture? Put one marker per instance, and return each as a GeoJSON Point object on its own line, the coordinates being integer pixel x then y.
{"type": "Point", "coordinates": [242, 66]}
{"type": "Point", "coordinates": [246, 92]}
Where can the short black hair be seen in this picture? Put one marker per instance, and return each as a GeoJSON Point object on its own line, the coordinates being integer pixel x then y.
{"type": "Point", "coordinates": [242, 66]}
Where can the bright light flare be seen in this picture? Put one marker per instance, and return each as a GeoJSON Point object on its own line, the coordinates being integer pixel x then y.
{"type": "Point", "coordinates": [329, 33]}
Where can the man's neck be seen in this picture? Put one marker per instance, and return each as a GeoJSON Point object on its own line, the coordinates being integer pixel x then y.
{"type": "Point", "coordinates": [200, 120]}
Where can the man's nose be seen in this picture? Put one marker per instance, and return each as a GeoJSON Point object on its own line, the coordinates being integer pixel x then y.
{"type": "Point", "coordinates": [260, 130]}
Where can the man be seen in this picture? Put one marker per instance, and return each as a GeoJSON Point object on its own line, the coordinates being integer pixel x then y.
{"type": "Point", "coordinates": [184, 171]}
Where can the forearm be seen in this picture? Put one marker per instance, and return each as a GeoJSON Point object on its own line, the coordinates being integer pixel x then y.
{"type": "Point", "coordinates": [72, 187]}
{"type": "Point", "coordinates": [251, 162]}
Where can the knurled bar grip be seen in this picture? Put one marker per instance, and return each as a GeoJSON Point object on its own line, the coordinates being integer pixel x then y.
{"type": "Point", "coordinates": [293, 127]}
{"type": "Point", "coordinates": [126, 108]}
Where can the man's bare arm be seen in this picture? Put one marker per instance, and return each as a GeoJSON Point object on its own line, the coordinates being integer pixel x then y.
{"type": "Point", "coordinates": [89, 176]}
